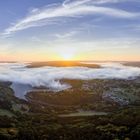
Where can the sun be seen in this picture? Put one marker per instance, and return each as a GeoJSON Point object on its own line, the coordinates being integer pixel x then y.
{"type": "Point", "coordinates": [67, 54]}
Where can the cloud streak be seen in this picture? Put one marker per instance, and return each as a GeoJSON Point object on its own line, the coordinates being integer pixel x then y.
{"type": "Point", "coordinates": [68, 9]}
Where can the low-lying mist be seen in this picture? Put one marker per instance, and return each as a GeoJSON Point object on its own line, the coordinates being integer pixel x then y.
{"type": "Point", "coordinates": [50, 76]}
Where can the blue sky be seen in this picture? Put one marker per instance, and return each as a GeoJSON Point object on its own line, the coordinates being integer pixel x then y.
{"type": "Point", "coordinates": [69, 29]}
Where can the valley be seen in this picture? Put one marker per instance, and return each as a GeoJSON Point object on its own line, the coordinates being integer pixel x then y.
{"type": "Point", "coordinates": [110, 107]}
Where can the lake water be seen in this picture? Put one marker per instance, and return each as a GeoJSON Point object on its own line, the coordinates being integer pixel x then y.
{"type": "Point", "coordinates": [20, 90]}
{"type": "Point", "coordinates": [83, 113]}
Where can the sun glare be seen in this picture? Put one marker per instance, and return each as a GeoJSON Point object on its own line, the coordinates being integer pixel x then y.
{"type": "Point", "coordinates": [67, 53]}
{"type": "Point", "coordinates": [67, 56]}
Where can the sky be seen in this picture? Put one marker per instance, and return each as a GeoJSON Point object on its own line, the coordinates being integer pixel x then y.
{"type": "Point", "coordinates": [44, 30]}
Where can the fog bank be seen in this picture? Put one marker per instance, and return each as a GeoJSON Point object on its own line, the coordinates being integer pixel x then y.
{"type": "Point", "coordinates": [50, 76]}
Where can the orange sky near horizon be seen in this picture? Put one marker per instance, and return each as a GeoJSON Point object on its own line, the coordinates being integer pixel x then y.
{"type": "Point", "coordinates": [80, 57]}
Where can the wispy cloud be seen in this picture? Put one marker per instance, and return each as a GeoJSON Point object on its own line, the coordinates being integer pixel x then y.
{"type": "Point", "coordinates": [68, 9]}
{"type": "Point", "coordinates": [67, 35]}
{"type": "Point", "coordinates": [113, 1]}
